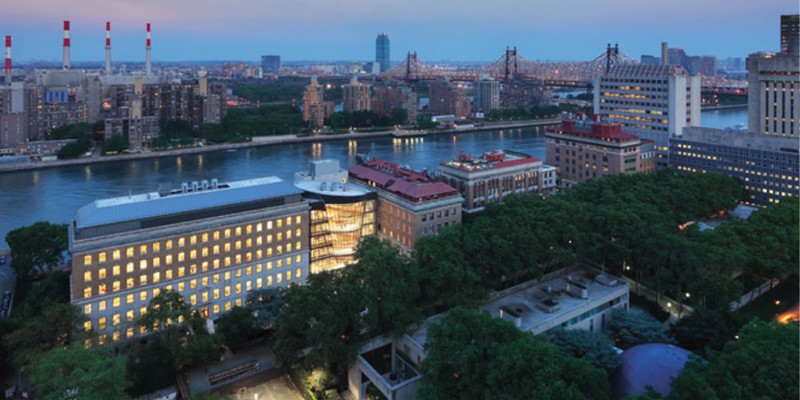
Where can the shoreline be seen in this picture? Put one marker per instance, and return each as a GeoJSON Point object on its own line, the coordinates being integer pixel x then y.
{"type": "Point", "coordinates": [264, 141]}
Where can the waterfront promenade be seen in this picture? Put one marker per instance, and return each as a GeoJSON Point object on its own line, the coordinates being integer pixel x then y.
{"type": "Point", "coordinates": [267, 141]}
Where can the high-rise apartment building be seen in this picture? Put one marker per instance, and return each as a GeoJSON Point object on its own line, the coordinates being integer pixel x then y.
{"type": "Point", "coordinates": [487, 95]}
{"type": "Point", "coordinates": [773, 81]}
{"type": "Point", "coordinates": [356, 96]}
{"type": "Point", "coordinates": [271, 65]}
{"type": "Point", "coordinates": [211, 242]}
{"type": "Point", "coordinates": [653, 102]}
{"type": "Point", "coordinates": [790, 33]}
{"type": "Point", "coordinates": [448, 98]}
{"type": "Point", "coordinates": [315, 109]}
{"type": "Point", "coordinates": [388, 98]}
{"type": "Point", "coordinates": [382, 52]}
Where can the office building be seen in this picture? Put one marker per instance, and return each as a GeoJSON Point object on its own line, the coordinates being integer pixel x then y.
{"type": "Point", "coordinates": [495, 175]}
{"type": "Point", "coordinates": [766, 164]}
{"type": "Point", "coordinates": [382, 52]}
{"type": "Point", "coordinates": [790, 33]}
{"type": "Point", "coordinates": [487, 93]}
{"type": "Point", "coordinates": [271, 65]}
{"type": "Point", "coordinates": [653, 102]}
{"type": "Point", "coordinates": [356, 96]}
{"type": "Point", "coordinates": [773, 81]}
{"type": "Point", "coordinates": [410, 203]}
{"type": "Point", "coordinates": [211, 242]}
{"type": "Point", "coordinates": [341, 214]}
{"type": "Point", "coordinates": [581, 149]}
{"type": "Point", "coordinates": [571, 298]}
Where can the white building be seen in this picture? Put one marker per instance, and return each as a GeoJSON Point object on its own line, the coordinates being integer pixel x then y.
{"type": "Point", "coordinates": [653, 102]}
{"type": "Point", "coordinates": [773, 97]}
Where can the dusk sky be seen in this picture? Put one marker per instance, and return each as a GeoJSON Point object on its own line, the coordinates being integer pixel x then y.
{"type": "Point", "coordinates": [463, 30]}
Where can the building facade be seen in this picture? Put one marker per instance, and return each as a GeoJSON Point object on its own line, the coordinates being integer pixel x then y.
{"type": "Point", "coordinates": [382, 52]}
{"type": "Point", "coordinates": [314, 108]}
{"type": "Point", "coordinates": [790, 33]}
{"type": "Point", "coordinates": [449, 98]}
{"type": "Point", "coordinates": [410, 204]}
{"type": "Point", "coordinates": [211, 242]}
{"type": "Point", "coordinates": [653, 102]}
{"type": "Point", "coordinates": [341, 214]}
{"type": "Point", "coordinates": [495, 175]}
{"type": "Point", "coordinates": [356, 96]}
{"type": "Point", "coordinates": [388, 98]}
{"type": "Point", "coordinates": [271, 65]}
{"type": "Point", "coordinates": [581, 150]}
{"type": "Point", "coordinates": [767, 165]}
{"type": "Point", "coordinates": [487, 95]}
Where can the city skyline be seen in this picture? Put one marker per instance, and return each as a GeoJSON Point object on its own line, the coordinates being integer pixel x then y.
{"type": "Point", "coordinates": [575, 30]}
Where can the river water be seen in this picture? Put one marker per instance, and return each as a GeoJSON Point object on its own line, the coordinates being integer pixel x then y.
{"type": "Point", "coordinates": [55, 194]}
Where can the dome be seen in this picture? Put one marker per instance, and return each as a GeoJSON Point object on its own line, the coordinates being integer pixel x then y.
{"type": "Point", "coordinates": [650, 364]}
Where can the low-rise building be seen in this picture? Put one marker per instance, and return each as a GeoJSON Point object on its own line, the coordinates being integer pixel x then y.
{"type": "Point", "coordinates": [495, 175]}
{"type": "Point", "coordinates": [766, 164]}
{"type": "Point", "coordinates": [571, 298]}
{"type": "Point", "coordinates": [410, 203]}
{"type": "Point", "coordinates": [211, 242]}
{"type": "Point", "coordinates": [581, 149]}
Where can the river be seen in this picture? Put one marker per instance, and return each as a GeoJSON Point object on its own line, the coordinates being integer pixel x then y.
{"type": "Point", "coordinates": [55, 194]}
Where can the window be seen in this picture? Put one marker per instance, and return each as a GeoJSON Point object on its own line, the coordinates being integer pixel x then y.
{"type": "Point", "coordinates": [181, 242]}
{"type": "Point", "coordinates": [129, 283]}
{"type": "Point", "coordinates": [156, 262]}
{"type": "Point", "coordinates": [168, 274]}
{"type": "Point", "coordinates": [216, 235]}
{"type": "Point", "coordinates": [115, 302]}
{"type": "Point", "coordinates": [101, 323]}
{"type": "Point", "coordinates": [101, 273]}
{"type": "Point", "coordinates": [87, 260]}
{"type": "Point", "coordinates": [143, 296]}
{"type": "Point", "coordinates": [87, 276]}
{"type": "Point", "coordinates": [168, 244]}
{"type": "Point", "coordinates": [87, 309]}
{"type": "Point", "coordinates": [87, 326]}
{"type": "Point", "coordinates": [269, 224]}
{"type": "Point", "coordinates": [129, 299]}
{"type": "Point", "coordinates": [216, 294]}
{"type": "Point", "coordinates": [288, 220]}
{"type": "Point", "coordinates": [298, 258]}
{"type": "Point", "coordinates": [227, 247]}
{"type": "Point", "coordinates": [193, 254]}
{"type": "Point", "coordinates": [143, 280]}
{"type": "Point", "coordinates": [297, 219]}
{"type": "Point", "coordinates": [101, 305]}
{"type": "Point", "coordinates": [156, 247]}
{"type": "Point", "coordinates": [156, 277]}
{"type": "Point", "coordinates": [101, 257]}
{"type": "Point", "coordinates": [143, 249]}
{"type": "Point", "coordinates": [87, 292]}
{"type": "Point", "coordinates": [115, 320]}
{"type": "Point", "coordinates": [279, 223]}
{"type": "Point", "coordinates": [115, 254]}
{"type": "Point", "coordinates": [142, 264]}
{"type": "Point", "coordinates": [297, 232]}
{"type": "Point", "coordinates": [227, 233]}
{"type": "Point", "coordinates": [297, 245]}
{"type": "Point", "coordinates": [168, 259]}
{"type": "Point", "coordinates": [193, 239]}
{"type": "Point", "coordinates": [101, 289]}
{"type": "Point", "coordinates": [115, 270]}
{"type": "Point", "coordinates": [227, 291]}
{"type": "Point", "coordinates": [238, 231]}
{"type": "Point", "coordinates": [129, 267]}
{"type": "Point", "coordinates": [181, 257]}
{"type": "Point", "coordinates": [205, 237]}
{"type": "Point", "coordinates": [269, 239]}
{"type": "Point", "coordinates": [298, 273]}
{"type": "Point", "coordinates": [129, 252]}
{"type": "Point", "coordinates": [238, 288]}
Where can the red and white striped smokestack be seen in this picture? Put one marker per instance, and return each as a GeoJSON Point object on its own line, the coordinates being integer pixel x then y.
{"type": "Point", "coordinates": [148, 68]}
{"type": "Point", "coordinates": [66, 45]}
{"type": "Point", "coordinates": [108, 48]}
{"type": "Point", "coordinates": [8, 55]}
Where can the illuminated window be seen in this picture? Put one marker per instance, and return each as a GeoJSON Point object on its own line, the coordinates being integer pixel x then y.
{"type": "Point", "coordinates": [298, 273]}
{"type": "Point", "coordinates": [269, 280]}
{"type": "Point", "coordinates": [269, 265]}
{"type": "Point", "coordinates": [156, 247]}
{"type": "Point", "coordinates": [115, 270]}
{"type": "Point", "coordinates": [297, 245]}
{"type": "Point", "coordinates": [87, 276]}
{"type": "Point", "coordinates": [101, 323]}
{"type": "Point", "coordinates": [101, 289]}
{"type": "Point", "coordinates": [249, 228]}
{"type": "Point", "coordinates": [204, 296]}
{"type": "Point", "coordinates": [87, 260]}
{"type": "Point", "coordinates": [288, 247]}
{"type": "Point", "coordinates": [168, 259]}
{"type": "Point", "coordinates": [288, 220]}
{"type": "Point", "coordinates": [297, 232]}
{"type": "Point", "coordinates": [129, 252]}
{"type": "Point", "coordinates": [143, 295]}
{"type": "Point", "coordinates": [279, 263]}
{"type": "Point", "coordinates": [129, 331]}
{"type": "Point", "coordinates": [204, 281]}
{"type": "Point", "coordinates": [238, 245]}
{"type": "Point", "coordinates": [87, 309]}
{"type": "Point", "coordinates": [156, 292]}
{"type": "Point", "coordinates": [101, 305]}
{"type": "Point", "coordinates": [87, 326]}
{"type": "Point", "coordinates": [279, 249]}
{"type": "Point", "coordinates": [249, 285]}
{"type": "Point", "coordinates": [227, 305]}
{"type": "Point", "coordinates": [288, 260]}
{"type": "Point", "coordinates": [238, 231]}
{"type": "Point", "coordinates": [205, 237]}
{"type": "Point", "coordinates": [143, 280]}
{"type": "Point", "coordinates": [216, 294]}
{"type": "Point", "coordinates": [193, 239]}
{"type": "Point", "coordinates": [168, 274]}
{"type": "Point", "coordinates": [297, 219]}
{"type": "Point", "coordinates": [129, 283]}
{"type": "Point", "coordinates": [181, 286]}
{"type": "Point", "coordinates": [259, 268]}
{"type": "Point", "coordinates": [298, 258]}
{"type": "Point", "coordinates": [259, 241]}
{"type": "Point", "coordinates": [249, 270]}
{"type": "Point", "coordinates": [259, 254]}
{"type": "Point", "coordinates": [227, 233]}
{"type": "Point", "coordinates": [115, 254]}
{"type": "Point", "coordinates": [168, 244]}
{"type": "Point", "coordinates": [227, 247]}
{"type": "Point", "coordinates": [143, 249]}
{"type": "Point", "coordinates": [142, 264]}
{"type": "Point", "coordinates": [259, 227]}
{"type": "Point", "coordinates": [216, 308]}
{"type": "Point", "coordinates": [238, 259]}
{"type": "Point", "coordinates": [279, 236]}
{"type": "Point", "coordinates": [288, 275]}
{"type": "Point", "coordinates": [181, 257]}
{"type": "Point", "coordinates": [193, 283]}
{"type": "Point", "coordinates": [156, 262]}
{"type": "Point", "coordinates": [227, 291]}
{"type": "Point", "coordinates": [129, 267]}
{"type": "Point", "coordinates": [129, 299]}
{"type": "Point", "coordinates": [227, 261]}
{"type": "Point", "coordinates": [249, 243]}
{"type": "Point", "coordinates": [87, 292]}
{"type": "Point", "coordinates": [288, 234]}
{"type": "Point", "coordinates": [238, 288]}
{"type": "Point", "coordinates": [115, 320]}
{"type": "Point", "coordinates": [279, 278]}
{"type": "Point", "coordinates": [269, 239]}
{"type": "Point", "coordinates": [115, 302]}
{"type": "Point", "coordinates": [193, 299]}
{"type": "Point", "coordinates": [259, 283]}
{"type": "Point", "coordinates": [216, 263]}
{"type": "Point", "coordinates": [269, 251]}
{"type": "Point", "coordinates": [238, 273]}
{"type": "Point", "coordinates": [181, 242]}
{"type": "Point", "coordinates": [156, 277]}
{"type": "Point", "coordinates": [216, 235]}
{"type": "Point", "coordinates": [101, 257]}
{"type": "Point", "coordinates": [193, 254]}
{"type": "Point", "coordinates": [216, 249]}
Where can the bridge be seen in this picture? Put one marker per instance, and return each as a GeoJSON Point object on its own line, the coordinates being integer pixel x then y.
{"type": "Point", "coordinates": [511, 65]}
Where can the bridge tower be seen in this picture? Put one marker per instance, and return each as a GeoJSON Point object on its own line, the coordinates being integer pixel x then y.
{"type": "Point", "coordinates": [510, 63]}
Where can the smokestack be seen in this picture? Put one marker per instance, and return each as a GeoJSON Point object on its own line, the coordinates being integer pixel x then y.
{"type": "Point", "coordinates": [664, 53]}
{"type": "Point", "coordinates": [148, 68]}
{"type": "Point", "coordinates": [108, 48]}
{"type": "Point", "coordinates": [8, 56]}
{"type": "Point", "coordinates": [66, 45]}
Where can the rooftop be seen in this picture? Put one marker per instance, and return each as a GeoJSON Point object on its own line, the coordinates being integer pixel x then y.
{"type": "Point", "coordinates": [413, 186]}
{"type": "Point", "coordinates": [598, 130]}
{"type": "Point", "coordinates": [190, 197]}
{"type": "Point", "coordinates": [494, 159]}
{"type": "Point", "coordinates": [750, 141]}
{"type": "Point", "coordinates": [645, 70]}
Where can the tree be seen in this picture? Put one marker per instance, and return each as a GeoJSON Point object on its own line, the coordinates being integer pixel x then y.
{"type": "Point", "coordinates": [474, 356]}
{"type": "Point", "coordinates": [150, 367]}
{"type": "Point", "coordinates": [75, 372]}
{"type": "Point", "coordinates": [593, 347]}
{"type": "Point", "coordinates": [266, 305]}
{"type": "Point", "coordinates": [40, 246]}
{"type": "Point", "coordinates": [237, 326]}
{"type": "Point", "coordinates": [58, 325]}
{"type": "Point", "coordinates": [116, 144]}
{"type": "Point", "coordinates": [760, 364]}
{"type": "Point", "coordinates": [629, 329]}
{"type": "Point", "coordinates": [705, 330]}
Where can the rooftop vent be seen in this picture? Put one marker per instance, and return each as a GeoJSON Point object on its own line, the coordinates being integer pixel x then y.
{"type": "Point", "coordinates": [214, 183]}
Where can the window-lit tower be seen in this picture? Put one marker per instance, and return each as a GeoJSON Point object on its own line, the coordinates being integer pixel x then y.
{"type": "Point", "coordinates": [382, 51]}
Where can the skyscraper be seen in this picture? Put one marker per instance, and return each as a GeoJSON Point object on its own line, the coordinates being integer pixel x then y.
{"type": "Point", "coordinates": [488, 95]}
{"type": "Point", "coordinates": [271, 64]}
{"type": "Point", "coordinates": [356, 96]}
{"type": "Point", "coordinates": [790, 33]}
{"type": "Point", "coordinates": [382, 51]}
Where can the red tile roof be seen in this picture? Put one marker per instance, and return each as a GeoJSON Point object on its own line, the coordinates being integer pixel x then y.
{"type": "Point", "coordinates": [408, 184]}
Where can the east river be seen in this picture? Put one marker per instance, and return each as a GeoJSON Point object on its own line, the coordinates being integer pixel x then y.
{"type": "Point", "coordinates": [55, 194]}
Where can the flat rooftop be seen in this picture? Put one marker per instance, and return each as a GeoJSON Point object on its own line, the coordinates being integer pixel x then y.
{"type": "Point", "coordinates": [188, 198]}
{"type": "Point", "coordinates": [539, 302]}
{"type": "Point", "coordinates": [495, 159]}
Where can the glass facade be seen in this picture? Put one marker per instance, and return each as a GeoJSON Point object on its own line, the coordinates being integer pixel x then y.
{"type": "Point", "coordinates": [336, 229]}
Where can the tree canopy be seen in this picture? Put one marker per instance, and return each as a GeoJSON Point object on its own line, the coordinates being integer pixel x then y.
{"type": "Point", "coordinates": [37, 248]}
{"type": "Point", "coordinates": [75, 372]}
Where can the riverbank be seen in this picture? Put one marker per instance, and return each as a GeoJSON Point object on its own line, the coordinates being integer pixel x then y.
{"type": "Point", "coordinates": [723, 107]}
{"type": "Point", "coordinates": [263, 141]}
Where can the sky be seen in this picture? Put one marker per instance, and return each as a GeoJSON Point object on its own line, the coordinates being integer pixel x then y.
{"type": "Point", "coordinates": [459, 30]}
